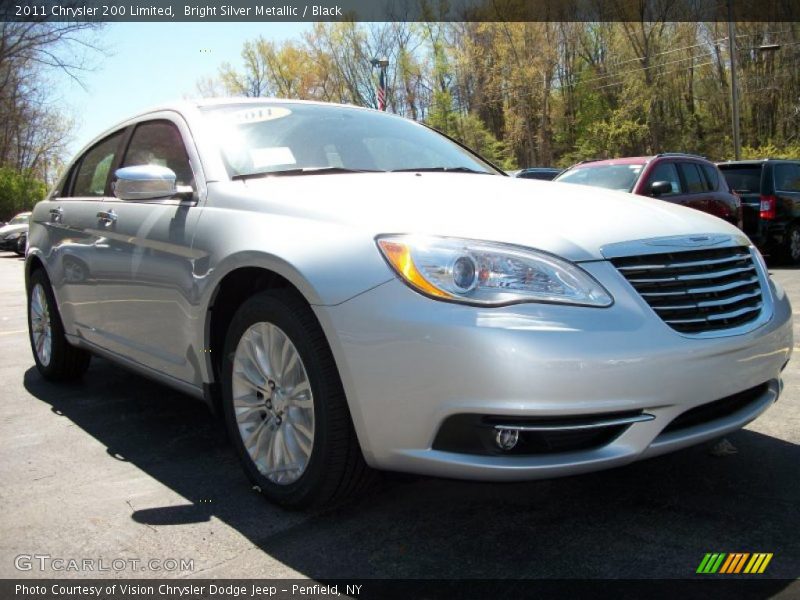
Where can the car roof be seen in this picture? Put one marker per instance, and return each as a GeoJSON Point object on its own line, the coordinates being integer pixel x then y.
{"type": "Point", "coordinates": [628, 160]}
{"type": "Point", "coordinates": [756, 161]}
{"type": "Point", "coordinates": [641, 160]}
{"type": "Point", "coordinates": [185, 106]}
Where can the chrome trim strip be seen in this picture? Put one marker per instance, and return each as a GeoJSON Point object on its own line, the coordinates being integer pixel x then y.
{"type": "Point", "coordinates": [711, 303]}
{"type": "Point", "coordinates": [696, 276]}
{"type": "Point", "coordinates": [596, 424]}
{"type": "Point", "coordinates": [718, 316]}
{"type": "Point", "coordinates": [706, 290]}
{"type": "Point", "coordinates": [694, 263]}
{"type": "Point", "coordinates": [680, 243]}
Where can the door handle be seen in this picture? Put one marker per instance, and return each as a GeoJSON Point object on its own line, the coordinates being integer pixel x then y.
{"type": "Point", "coordinates": [56, 214]}
{"type": "Point", "coordinates": [107, 217]}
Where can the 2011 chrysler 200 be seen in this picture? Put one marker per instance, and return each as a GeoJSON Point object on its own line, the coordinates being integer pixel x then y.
{"type": "Point", "coordinates": [352, 289]}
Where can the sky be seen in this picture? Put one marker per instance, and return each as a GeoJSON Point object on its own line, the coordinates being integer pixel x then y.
{"type": "Point", "coordinates": [154, 63]}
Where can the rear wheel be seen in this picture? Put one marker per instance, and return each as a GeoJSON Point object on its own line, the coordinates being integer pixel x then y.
{"type": "Point", "coordinates": [285, 407]}
{"type": "Point", "coordinates": [792, 245]}
{"type": "Point", "coordinates": [55, 357]}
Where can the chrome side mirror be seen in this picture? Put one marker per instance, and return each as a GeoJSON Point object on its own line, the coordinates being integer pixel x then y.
{"type": "Point", "coordinates": [144, 182]}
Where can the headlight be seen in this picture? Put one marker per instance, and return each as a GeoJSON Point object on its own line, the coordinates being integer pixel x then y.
{"type": "Point", "coordinates": [12, 236]}
{"type": "Point", "coordinates": [488, 273]}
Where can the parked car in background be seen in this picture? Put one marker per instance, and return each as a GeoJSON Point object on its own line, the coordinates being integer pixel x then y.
{"type": "Point", "coordinates": [541, 173]}
{"type": "Point", "coordinates": [350, 289]}
{"type": "Point", "coordinates": [683, 179]}
{"type": "Point", "coordinates": [770, 193]}
{"type": "Point", "coordinates": [13, 236]}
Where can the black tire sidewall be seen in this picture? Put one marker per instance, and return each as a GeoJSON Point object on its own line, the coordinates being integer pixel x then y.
{"type": "Point", "coordinates": [795, 260]}
{"type": "Point", "coordinates": [278, 309]}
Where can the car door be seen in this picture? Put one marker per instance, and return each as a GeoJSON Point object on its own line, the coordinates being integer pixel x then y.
{"type": "Point", "coordinates": [146, 297]}
{"type": "Point", "coordinates": [722, 202]}
{"type": "Point", "coordinates": [695, 192]}
{"type": "Point", "coordinates": [74, 236]}
{"type": "Point", "coordinates": [665, 171]}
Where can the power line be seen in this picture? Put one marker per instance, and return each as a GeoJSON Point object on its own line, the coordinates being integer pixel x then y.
{"type": "Point", "coordinates": [511, 89]}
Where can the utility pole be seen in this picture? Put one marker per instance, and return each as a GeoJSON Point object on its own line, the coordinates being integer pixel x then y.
{"type": "Point", "coordinates": [737, 142]}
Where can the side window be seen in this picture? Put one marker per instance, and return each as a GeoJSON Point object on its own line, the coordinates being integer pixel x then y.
{"type": "Point", "coordinates": [693, 178]}
{"type": "Point", "coordinates": [665, 171]}
{"type": "Point", "coordinates": [92, 171]}
{"type": "Point", "coordinates": [159, 143]}
{"type": "Point", "coordinates": [712, 176]}
{"type": "Point", "coordinates": [787, 178]}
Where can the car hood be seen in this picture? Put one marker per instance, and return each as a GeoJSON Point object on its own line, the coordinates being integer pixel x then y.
{"type": "Point", "coordinates": [11, 229]}
{"type": "Point", "coordinates": [569, 220]}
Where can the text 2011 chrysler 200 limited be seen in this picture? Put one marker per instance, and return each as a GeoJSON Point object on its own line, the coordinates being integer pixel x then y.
{"type": "Point", "coordinates": [352, 289]}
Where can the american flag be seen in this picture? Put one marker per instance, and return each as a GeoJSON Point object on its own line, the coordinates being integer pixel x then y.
{"type": "Point", "coordinates": [382, 90]}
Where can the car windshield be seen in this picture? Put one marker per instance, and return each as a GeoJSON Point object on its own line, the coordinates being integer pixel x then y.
{"type": "Point", "coordinates": [742, 178]}
{"type": "Point", "coordinates": [296, 138]}
{"type": "Point", "coordinates": [613, 177]}
{"type": "Point", "coordinates": [19, 220]}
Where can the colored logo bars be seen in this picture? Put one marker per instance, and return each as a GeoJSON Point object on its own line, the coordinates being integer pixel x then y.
{"type": "Point", "coordinates": [734, 563]}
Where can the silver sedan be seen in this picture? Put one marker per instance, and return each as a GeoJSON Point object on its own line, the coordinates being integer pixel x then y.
{"type": "Point", "coordinates": [354, 291]}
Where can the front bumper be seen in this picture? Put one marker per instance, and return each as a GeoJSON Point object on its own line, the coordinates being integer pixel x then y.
{"type": "Point", "coordinates": [408, 363]}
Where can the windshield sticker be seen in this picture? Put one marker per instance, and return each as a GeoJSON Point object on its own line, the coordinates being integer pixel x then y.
{"type": "Point", "coordinates": [258, 114]}
{"type": "Point", "coordinates": [271, 157]}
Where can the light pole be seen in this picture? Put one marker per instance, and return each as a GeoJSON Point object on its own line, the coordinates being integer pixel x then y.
{"type": "Point", "coordinates": [382, 63]}
{"type": "Point", "coordinates": [737, 142]}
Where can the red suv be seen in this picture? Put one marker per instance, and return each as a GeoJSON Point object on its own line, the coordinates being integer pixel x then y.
{"type": "Point", "coordinates": [683, 179]}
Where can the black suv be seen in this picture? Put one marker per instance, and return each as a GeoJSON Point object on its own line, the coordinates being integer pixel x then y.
{"type": "Point", "coordinates": [770, 192]}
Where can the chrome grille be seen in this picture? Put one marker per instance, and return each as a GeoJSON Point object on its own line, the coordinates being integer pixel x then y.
{"type": "Point", "coordinates": [699, 290]}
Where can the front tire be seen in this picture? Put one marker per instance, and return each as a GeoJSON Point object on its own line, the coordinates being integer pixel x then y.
{"type": "Point", "coordinates": [284, 405]}
{"type": "Point", "coordinates": [56, 359]}
{"type": "Point", "coordinates": [22, 242]}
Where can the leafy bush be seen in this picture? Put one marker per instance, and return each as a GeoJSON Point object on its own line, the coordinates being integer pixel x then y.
{"type": "Point", "coordinates": [18, 192]}
{"type": "Point", "coordinates": [769, 150]}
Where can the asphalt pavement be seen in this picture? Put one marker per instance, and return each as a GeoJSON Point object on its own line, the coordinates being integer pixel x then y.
{"type": "Point", "coordinates": [117, 467]}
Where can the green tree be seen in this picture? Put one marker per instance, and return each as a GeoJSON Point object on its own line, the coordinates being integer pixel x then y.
{"type": "Point", "coordinates": [19, 191]}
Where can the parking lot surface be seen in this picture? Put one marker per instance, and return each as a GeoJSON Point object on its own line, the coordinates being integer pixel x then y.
{"type": "Point", "coordinates": [118, 467]}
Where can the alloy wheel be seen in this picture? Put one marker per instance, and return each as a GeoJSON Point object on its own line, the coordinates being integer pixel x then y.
{"type": "Point", "coordinates": [41, 325]}
{"type": "Point", "coordinates": [273, 403]}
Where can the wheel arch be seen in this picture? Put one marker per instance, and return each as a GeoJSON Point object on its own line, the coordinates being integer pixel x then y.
{"type": "Point", "coordinates": [229, 293]}
{"type": "Point", "coordinates": [33, 262]}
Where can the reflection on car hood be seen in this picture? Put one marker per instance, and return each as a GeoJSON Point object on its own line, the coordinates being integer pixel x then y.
{"type": "Point", "coordinates": [572, 221]}
{"type": "Point", "coordinates": [12, 228]}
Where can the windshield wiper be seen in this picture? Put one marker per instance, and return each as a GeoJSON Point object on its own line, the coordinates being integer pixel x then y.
{"type": "Point", "coordinates": [441, 170]}
{"type": "Point", "coordinates": [303, 171]}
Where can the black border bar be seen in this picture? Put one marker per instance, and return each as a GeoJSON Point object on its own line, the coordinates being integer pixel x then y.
{"type": "Point", "coordinates": [740, 587]}
{"type": "Point", "coordinates": [400, 10]}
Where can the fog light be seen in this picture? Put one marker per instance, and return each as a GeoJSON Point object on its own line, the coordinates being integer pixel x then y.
{"type": "Point", "coordinates": [506, 439]}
